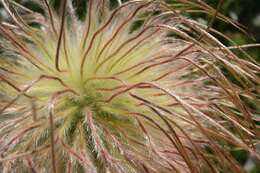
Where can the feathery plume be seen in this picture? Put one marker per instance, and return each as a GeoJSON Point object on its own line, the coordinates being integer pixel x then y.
{"type": "Point", "coordinates": [136, 87]}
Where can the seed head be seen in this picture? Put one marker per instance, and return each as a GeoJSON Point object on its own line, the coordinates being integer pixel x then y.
{"type": "Point", "coordinates": [136, 87]}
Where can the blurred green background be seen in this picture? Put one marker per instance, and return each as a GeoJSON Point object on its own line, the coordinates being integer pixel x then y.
{"type": "Point", "coordinates": [247, 13]}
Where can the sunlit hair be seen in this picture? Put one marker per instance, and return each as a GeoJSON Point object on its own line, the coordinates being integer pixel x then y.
{"type": "Point", "coordinates": [131, 87]}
